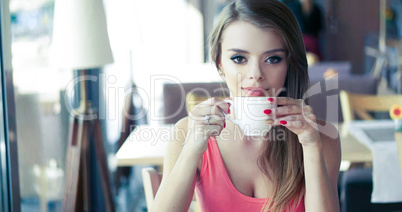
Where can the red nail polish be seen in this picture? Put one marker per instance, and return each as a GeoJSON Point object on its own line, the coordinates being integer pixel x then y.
{"type": "Point", "coordinates": [228, 110]}
{"type": "Point", "coordinates": [270, 99]}
{"type": "Point", "coordinates": [267, 111]}
{"type": "Point", "coordinates": [224, 125]}
{"type": "Point", "coordinates": [283, 122]}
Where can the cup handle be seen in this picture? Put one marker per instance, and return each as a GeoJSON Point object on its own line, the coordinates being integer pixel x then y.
{"type": "Point", "coordinates": [226, 115]}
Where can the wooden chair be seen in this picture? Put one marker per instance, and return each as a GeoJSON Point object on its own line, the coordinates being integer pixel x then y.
{"type": "Point", "coordinates": [151, 181]}
{"type": "Point", "coordinates": [362, 104]}
{"type": "Point", "coordinates": [357, 182]}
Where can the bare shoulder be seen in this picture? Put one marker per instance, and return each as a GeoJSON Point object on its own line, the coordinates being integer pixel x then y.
{"type": "Point", "coordinates": [175, 145]}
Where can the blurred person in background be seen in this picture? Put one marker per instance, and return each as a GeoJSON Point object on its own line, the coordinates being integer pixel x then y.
{"type": "Point", "coordinates": [309, 16]}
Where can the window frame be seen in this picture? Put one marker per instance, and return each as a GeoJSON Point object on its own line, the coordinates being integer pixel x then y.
{"type": "Point", "coordinates": [9, 177]}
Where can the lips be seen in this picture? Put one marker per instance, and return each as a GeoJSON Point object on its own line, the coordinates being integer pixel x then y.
{"type": "Point", "coordinates": [255, 91]}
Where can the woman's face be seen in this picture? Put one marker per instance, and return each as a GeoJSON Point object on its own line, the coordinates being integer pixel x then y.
{"type": "Point", "coordinates": [253, 60]}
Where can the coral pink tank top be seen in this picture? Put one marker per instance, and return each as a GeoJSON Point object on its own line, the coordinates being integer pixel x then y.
{"type": "Point", "coordinates": [216, 192]}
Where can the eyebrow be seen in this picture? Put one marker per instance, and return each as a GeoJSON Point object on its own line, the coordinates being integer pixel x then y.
{"type": "Point", "coordinates": [266, 52]}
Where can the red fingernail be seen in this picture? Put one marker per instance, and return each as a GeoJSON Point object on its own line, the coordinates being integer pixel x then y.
{"type": "Point", "coordinates": [283, 122]}
{"type": "Point", "coordinates": [270, 99]}
{"type": "Point", "coordinates": [224, 125]}
{"type": "Point", "coordinates": [228, 110]}
{"type": "Point", "coordinates": [267, 111]}
{"type": "Point", "coordinates": [229, 104]}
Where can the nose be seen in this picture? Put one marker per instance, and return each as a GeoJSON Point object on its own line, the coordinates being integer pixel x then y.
{"type": "Point", "coordinates": [256, 73]}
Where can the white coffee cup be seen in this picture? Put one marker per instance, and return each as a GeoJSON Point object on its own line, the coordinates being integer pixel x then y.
{"type": "Point", "coordinates": [249, 114]}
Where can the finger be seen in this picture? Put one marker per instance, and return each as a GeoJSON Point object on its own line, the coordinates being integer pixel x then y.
{"type": "Point", "coordinates": [215, 105]}
{"type": "Point", "coordinates": [292, 125]}
{"type": "Point", "coordinates": [285, 101]}
{"type": "Point", "coordinates": [298, 122]}
{"type": "Point", "coordinates": [292, 110]}
{"type": "Point", "coordinates": [222, 106]}
{"type": "Point", "coordinates": [306, 132]}
{"type": "Point", "coordinates": [307, 118]}
{"type": "Point", "coordinates": [298, 127]}
{"type": "Point", "coordinates": [200, 116]}
{"type": "Point", "coordinates": [202, 110]}
{"type": "Point", "coordinates": [214, 120]}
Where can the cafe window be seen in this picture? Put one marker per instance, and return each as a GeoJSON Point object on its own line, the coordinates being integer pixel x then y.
{"type": "Point", "coordinates": [146, 41]}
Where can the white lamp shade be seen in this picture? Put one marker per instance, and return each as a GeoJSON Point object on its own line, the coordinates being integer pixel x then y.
{"type": "Point", "coordinates": [80, 37]}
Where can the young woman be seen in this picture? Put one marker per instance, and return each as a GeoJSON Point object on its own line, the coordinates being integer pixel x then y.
{"type": "Point", "coordinates": [258, 50]}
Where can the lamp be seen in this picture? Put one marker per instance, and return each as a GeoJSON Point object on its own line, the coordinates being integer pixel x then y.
{"type": "Point", "coordinates": [81, 42]}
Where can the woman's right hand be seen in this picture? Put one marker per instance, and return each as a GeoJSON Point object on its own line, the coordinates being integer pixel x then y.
{"type": "Point", "coordinates": [199, 129]}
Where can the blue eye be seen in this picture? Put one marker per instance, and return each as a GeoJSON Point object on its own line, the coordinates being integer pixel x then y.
{"type": "Point", "coordinates": [238, 59]}
{"type": "Point", "coordinates": [273, 60]}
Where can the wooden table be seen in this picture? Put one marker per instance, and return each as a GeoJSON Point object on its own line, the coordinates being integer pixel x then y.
{"type": "Point", "coordinates": [146, 146]}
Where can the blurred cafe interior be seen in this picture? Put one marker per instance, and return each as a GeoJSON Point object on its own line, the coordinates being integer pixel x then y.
{"type": "Point", "coordinates": [91, 90]}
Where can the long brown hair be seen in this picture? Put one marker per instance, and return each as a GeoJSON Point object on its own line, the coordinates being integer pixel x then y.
{"type": "Point", "coordinates": [281, 159]}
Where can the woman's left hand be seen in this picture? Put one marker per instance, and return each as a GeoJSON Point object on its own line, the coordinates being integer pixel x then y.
{"type": "Point", "coordinates": [298, 117]}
